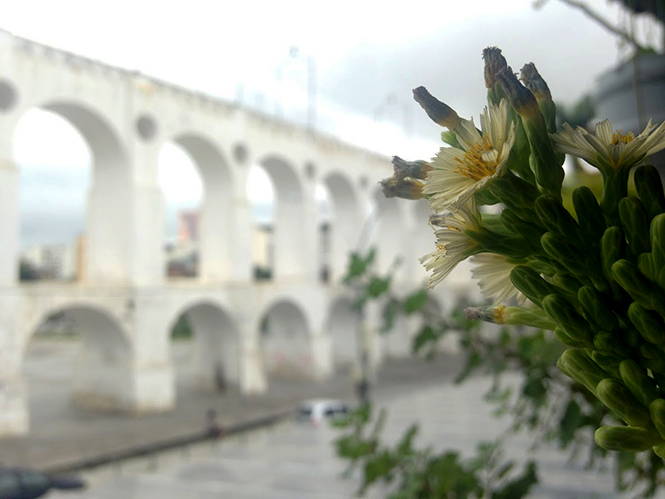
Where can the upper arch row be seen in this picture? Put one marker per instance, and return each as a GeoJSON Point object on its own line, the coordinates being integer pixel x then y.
{"type": "Point", "coordinates": [125, 117]}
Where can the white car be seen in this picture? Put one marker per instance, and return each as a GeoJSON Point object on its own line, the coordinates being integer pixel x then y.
{"type": "Point", "coordinates": [317, 410]}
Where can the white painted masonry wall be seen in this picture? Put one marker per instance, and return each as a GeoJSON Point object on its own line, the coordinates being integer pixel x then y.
{"type": "Point", "coordinates": [124, 309]}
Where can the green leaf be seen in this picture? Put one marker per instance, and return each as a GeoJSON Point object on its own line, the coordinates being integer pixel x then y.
{"type": "Point", "coordinates": [472, 362]}
{"type": "Point", "coordinates": [569, 423]}
{"type": "Point", "coordinates": [424, 337]}
{"type": "Point", "coordinates": [505, 469]}
{"type": "Point", "coordinates": [390, 311]}
{"type": "Point", "coordinates": [519, 487]}
{"type": "Point", "coordinates": [405, 445]}
{"type": "Point", "coordinates": [378, 286]}
{"type": "Point", "coordinates": [416, 301]}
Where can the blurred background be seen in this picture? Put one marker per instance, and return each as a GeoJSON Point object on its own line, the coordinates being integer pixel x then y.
{"type": "Point", "coordinates": [343, 69]}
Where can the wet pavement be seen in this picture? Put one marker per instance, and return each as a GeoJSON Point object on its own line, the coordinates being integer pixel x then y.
{"type": "Point", "coordinates": [296, 460]}
{"type": "Point", "coordinates": [62, 433]}
{"type": "Point", "coordinates": [292, 460]}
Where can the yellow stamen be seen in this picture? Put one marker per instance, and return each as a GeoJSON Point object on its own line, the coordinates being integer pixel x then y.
{"type": "Point", "coordinates": [619, 138]}
{"type": "Point", "coordinates": [498, 314]}
{"type": "Point", "coordinates": [473, 165]}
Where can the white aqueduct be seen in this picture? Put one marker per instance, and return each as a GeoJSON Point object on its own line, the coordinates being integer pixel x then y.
{"type": "Point", "coordinates": [125, 309]}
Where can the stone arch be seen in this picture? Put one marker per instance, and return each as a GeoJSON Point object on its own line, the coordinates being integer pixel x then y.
{"type": "Point", "coordinates": [107, 214]}
{"type": "Point", "coordinates": [343, 326]}
{"type": "Point", "coordinates": [343, 238]}
{"type": "Point", "coordinates": [291, 240]}
{"type": "Point", "coordinates": [285, 338]}
{"type": "Point", "coordinates": [216, 210]}
{"type": "Point", "coordinates": [216, 359]}
{"type": "Point", "coordinates": [102, 377]}
{"type": "Point", "coordinates": [109, 154]}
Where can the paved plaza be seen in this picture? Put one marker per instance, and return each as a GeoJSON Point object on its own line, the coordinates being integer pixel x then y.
{"type": "Point", "coordinates": [291, 460]}
{"type": "Point", "coordinates": [297, 461]}
{"type": "Point", "coordinates": [62, 433]}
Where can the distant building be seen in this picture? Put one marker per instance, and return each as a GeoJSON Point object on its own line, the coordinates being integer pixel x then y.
{"type": "Point", "coordinates": [182, 259]}
{"type": "Point", "coordinates": [188, 226]}
{"type": "Point", "coordinates": [182, 256]}
{"type": "Point", "coordinates": [262, 246]}
{"type": "Point", "coordinates": [57, 262]}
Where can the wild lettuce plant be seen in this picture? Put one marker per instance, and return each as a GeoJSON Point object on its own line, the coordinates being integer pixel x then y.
{"type": "Point", "coordinates": [594, 275]}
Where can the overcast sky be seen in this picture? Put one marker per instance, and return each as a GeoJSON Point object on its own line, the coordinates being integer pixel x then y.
{"type": "Point", "coordinates": [368, 56]}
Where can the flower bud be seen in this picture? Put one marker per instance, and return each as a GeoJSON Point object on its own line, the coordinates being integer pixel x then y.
{"type": "Point", "coordinates": [558, 247]}
{"type": "Point", "coordinates": [439, 113]}
{"type": "Point", "coordinates": [534, 82]}
{"type": "Point", "coordinates": [607, 362]}
{"type": "Point", "coordinates": [649, 324]}
{"type": "Point", "coordinates": [450, 138]}
{"type": "Point", "coordinates": [657, 235]}
{"type": "Point", "coordinates": [649, 188]}
{"type": "Point", "coordinates": [605, 341]}
{"type": "Point", "coordinates": [576, 364]}
{"type": "Point", "coordinates": [589, 215]}
{"type": "Point", "coordinates": [645, 264]}
{"type": "Point", "coordinates": [637, 381]}
{"type": "Point", "coordinates": [494, 62]}
{"type": "Point", "coordinates": [556, 218]}
{"type": "Point", "coordinates": [657, 413]}
{"type": "Point", "coordinates": [529, 282]}
{"type": "Point", "coordinates": [625, 438]}
{"type": "Point", "coordinates": [635, 225]}
{"type": "Point", "coordinates": [596, 310]}
{"type": "Point", "coordinates": [518, 316]}
{"type": "Point", "coordinates": [640, 289]}
{"type": "Point", "coordinates": [405, 188]}
{"type": "Point", "coordinates": [611, 250]}
{"type": "Point", "coordinates": [529, 231]}
{"type": "Point", "coordinates": [415, 169]}
{"type": "Point", "coordinates": [501, 243]}
{"type": "Point", "coordinates": [568, 284]}
{"type": "Point", "coordinates": [544, 161]}
{"type": "Point", "coordinates": [564, 314]}
{"type": "Point", "coordinates": [516, 193]}
{"type": "Point", "coordinates": [520, 97]}
{"type": "Point", "coordinates": [567, 340]}
{"type": "Point", "coordinates": [617, 397]}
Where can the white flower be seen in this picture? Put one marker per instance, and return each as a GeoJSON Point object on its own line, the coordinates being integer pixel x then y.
{"type": "Point", "coordinates": [608, 150]}
{"type": "Point", "coordinates": [458, 173]}
{"type": "Point", "coordinates": [453, 245]}
{"type": "Point", "coordinates": [493, 274]}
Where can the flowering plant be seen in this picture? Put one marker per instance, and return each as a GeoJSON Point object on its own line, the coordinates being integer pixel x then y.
{"type": "Point", "coordinates": [595, 277]}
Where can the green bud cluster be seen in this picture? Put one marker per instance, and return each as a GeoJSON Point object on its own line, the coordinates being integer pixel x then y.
{"type": "Point", "coordinates": [596, 275]}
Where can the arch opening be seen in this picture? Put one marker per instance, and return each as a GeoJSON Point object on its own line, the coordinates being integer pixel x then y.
{"type": "Point", "coordinates": [55, 179]}
{"type": "Point", "coordinates": [261, 193]}
{"type": "Point", "coordinates": [291, 222]}
{"type": "Point", "coordinates": [343, 326]}
{"type": "Point", "coordinates": [204, 349]}
{"type": "Point", "coordinates": [182, 188]}
{"type": "Point", "coordinates": [343, 224]}
{"type": "Point", "coordinates": [389, 232]}
{"type": "Point", "coordinates": [285, 342]}
{"type": "Point", "coordinates": [197, 184]}
{"type": "Point", "coordinates": [73, 137]}
{"type": "Point", "coordinates": [82, 354]}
